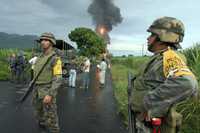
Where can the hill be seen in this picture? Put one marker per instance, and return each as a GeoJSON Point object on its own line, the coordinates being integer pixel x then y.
{"type": "Point", "coordinates": [16, 40]}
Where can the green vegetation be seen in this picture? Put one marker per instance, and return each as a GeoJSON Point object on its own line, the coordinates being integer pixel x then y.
{"type": "Point", "coordinates": [4, 56]}
{"type": "Point", "coordinates": [120, 68]}
{"type": "Point", "coordinates": [189, 109]}
{"type": "Point", "coordinates": [88, 42]}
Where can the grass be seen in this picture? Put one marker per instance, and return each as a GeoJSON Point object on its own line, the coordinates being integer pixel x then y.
{"type": "Point", "coordinates": [120, 69]}
{"type": "Point", "coordinates": [4, 54]}
{"type": "Point", "coordinates": [189, 109]}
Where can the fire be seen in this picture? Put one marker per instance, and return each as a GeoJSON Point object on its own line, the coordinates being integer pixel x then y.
{"type": "Point", "coordinates": [102, 31]}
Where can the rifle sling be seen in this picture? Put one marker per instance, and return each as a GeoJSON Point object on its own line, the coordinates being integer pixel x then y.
{"type": "Point", "coordinates": [33, 81]}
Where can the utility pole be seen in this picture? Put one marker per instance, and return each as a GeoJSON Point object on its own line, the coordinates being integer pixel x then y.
{"type": "Point", "coordinates": [143, 49]}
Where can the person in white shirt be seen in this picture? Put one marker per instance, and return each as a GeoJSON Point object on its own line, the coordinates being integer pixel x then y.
{"type": "Point", "coordinates": [32, 61]}
{"type": "Point", "coordinates": [103, 68]}
{"type": "Point", "coordinates": [86, 70]}
{"type": "Point", "coordinates": [72, 75]}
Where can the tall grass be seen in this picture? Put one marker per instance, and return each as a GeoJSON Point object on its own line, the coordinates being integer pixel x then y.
{"type": "Point", "coordinates": [5, 53]}
{"type": "Point", "coordinates": [120, 69]}
{"type": "Point", "coordinates": [190, 109]}
{"type": "Point", "coordinates": [4, 66]}
{"type": "Point", "coordinates": [193, 58]}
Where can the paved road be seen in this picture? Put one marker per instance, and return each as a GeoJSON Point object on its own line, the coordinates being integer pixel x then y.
{"type": "Point", "coordinates": [80, 111]}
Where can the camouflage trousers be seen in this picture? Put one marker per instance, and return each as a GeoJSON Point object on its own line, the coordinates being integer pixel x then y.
{"type": "Point", "coordinates": [46, 115]}
{"type": "Point", "coordinates": [141, 128]}
{"type": "Point", "coordinates": [12, 75]}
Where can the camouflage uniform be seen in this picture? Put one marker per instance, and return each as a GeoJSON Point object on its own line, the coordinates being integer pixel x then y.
{"type": "Point", "coordinates": [165, 81]}
{"type": "Point", "coordinates": [12, 64]}
{"type": "Point", "coordinates": [20, 66]}
{"type": "Point", "coordinates": [47, 84]}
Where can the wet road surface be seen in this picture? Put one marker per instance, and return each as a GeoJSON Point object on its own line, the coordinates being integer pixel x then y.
{"type": "Point", "coordinates": [80, 111]}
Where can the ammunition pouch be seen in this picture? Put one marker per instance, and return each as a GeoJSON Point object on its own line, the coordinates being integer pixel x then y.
{"type": "Point", "coordinates": [137, 100]}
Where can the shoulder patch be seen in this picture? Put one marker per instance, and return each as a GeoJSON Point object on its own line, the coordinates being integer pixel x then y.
{"type": "Point", "coordinates": [174, 65]}
{"type": "Point", "coordinates": [57, 68]}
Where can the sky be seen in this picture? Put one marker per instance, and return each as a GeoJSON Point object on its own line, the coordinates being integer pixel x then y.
{"type": "Point", "coordinates": [62, 16]}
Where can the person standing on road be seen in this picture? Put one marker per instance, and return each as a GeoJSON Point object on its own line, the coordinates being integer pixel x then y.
{"type": "Point", "coordinates": [72, 75]}
{"type": "Point", "coordinates": [12, 67]}
{"type": "Point", "coordinates": [47, 84]}
{"type": "Point", "coordinates": [86, 71]}
{"type": "Point", "coordinates": [32, 61]}
{"type": "Point", "coordinates": [165, 81]}
{"type": "Point", "coordinates": [102, 68]}
{"type": "Point", "coordinates": [20, 67]}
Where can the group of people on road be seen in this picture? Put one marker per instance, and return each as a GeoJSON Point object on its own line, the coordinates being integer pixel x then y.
{"type": "Point", "coordinates": [17, 65]}
{"type": "Point", "coordinates": [86, 66]}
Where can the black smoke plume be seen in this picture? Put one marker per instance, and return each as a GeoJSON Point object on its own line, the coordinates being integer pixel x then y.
{"type": "Point", "coordinates": [105, 14]}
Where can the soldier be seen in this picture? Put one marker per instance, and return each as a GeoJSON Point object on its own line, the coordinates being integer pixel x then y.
{"type": "Point", "coordinates": [12, 67]}
{"type": "Point", "coordinates": [20, 67]}
{"type": "Point", "coordinates": [47, 84]}
{"type": "Point", "coordinates": [165, 81]}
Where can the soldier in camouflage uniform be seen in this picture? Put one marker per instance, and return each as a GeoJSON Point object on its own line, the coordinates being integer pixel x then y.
{"type": "Point", "coordinates": [12, 66]}
{"type": "Point", "coordinates": [165, 80]}
{"type": "Point", "coordinates": [47, 84]}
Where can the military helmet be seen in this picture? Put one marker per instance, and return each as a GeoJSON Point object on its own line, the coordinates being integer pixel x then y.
{"type": "Point", "coordinates": [48, 36]}
{"type": "Point", "coordinates": [168, 29]}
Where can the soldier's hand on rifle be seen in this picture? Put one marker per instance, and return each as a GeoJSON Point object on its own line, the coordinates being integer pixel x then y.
{"type": "Point", "coordinates": [47, 99]}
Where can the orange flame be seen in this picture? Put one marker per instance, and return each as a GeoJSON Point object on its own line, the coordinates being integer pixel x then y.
{"type": "Point", "coordinates": [102, 31]}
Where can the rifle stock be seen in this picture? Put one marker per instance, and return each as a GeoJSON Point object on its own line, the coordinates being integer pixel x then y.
{"type": "Point", "coordinates": [29, 90]}
{"type": "Point", "coordinates": [131, 118]}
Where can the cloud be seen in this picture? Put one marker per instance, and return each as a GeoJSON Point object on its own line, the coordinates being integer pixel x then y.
{"type": "Point", "coordinates": [60, 17]}
{"type": "Point", "coordinates": [37, 16]}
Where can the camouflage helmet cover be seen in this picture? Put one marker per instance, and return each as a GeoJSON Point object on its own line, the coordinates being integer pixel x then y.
{"type": "Point", "coordinates": [168, 29]}
{"type": "Point", "coordinates": [48, 36]}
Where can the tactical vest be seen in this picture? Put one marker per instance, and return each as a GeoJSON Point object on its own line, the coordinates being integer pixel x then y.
{"type": "Point", "coordinates": [150, 76]}
{"type": "Point", "coordinates": [155, 72]}
{"type": "Point", "coordinates": [47, 74]}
